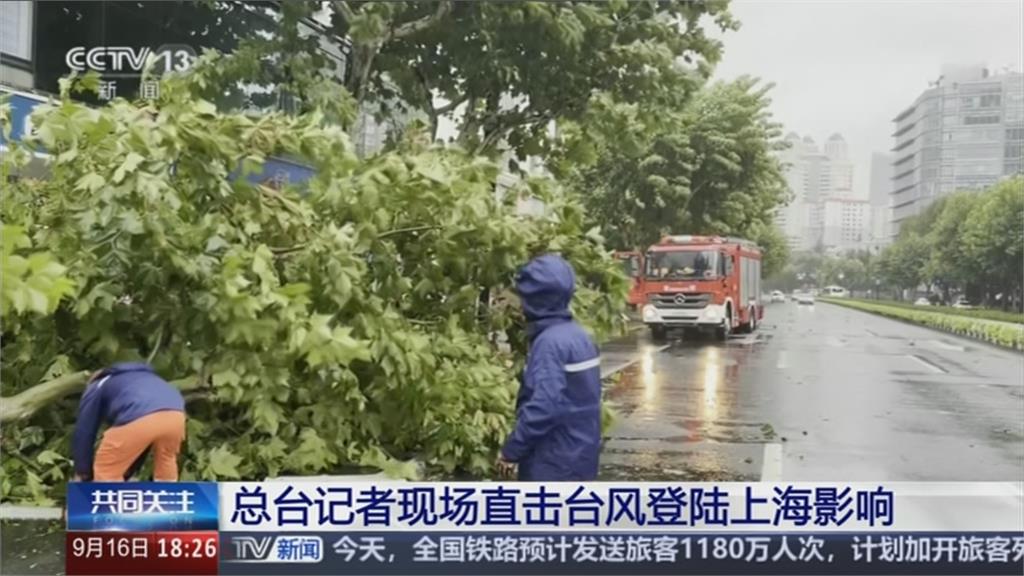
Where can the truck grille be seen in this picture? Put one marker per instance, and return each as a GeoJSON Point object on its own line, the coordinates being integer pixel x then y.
{"type": "Point", "coordinates": [679, 300]}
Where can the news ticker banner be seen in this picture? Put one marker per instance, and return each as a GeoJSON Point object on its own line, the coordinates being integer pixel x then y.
{"type": "Point", "coordinates": [313, 527]}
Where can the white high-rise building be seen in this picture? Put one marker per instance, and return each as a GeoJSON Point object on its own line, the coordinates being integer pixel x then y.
{"type": "Point", "coordinates": [965, 132]}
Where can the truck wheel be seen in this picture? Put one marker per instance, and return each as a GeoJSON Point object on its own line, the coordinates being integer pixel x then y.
{"type": "Point", "coordinates": [657, 332]}
{"type": "Point", "coordinates": [752, 324]}
{"type": "Point", "coordinates": [723, 331]}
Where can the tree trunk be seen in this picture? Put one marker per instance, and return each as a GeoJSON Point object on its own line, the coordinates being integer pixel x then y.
{"type": "Point", "coordinates": [26, 403]}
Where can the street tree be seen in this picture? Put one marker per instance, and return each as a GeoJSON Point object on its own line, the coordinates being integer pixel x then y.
{"type": "Point", "coordinates": [707, 168]}
{"type": "Point", "coordinates": [949, 265]}
{"type": "Point", "coordinates": [312, 329]}
{"type": "Point", "coordinates": [993, 240]}
{"type": "Point", "coordinates": [500, 71]}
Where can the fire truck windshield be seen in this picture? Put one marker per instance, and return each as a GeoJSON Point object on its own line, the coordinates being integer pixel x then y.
{"type": "Point", "coordinates": [683, 265]}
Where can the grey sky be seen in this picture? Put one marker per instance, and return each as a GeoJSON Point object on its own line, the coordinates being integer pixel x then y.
{"type": "Point", "coordinates": [850, 66]}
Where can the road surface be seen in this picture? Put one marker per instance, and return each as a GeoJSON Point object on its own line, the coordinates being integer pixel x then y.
{"type": "Point", "coordinates": [819, 393]}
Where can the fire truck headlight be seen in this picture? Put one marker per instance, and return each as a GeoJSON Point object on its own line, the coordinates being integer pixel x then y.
{"type": "Point", "coordinates": [711, 312]}
{"type": "Point", "coordinates": [650, 313]}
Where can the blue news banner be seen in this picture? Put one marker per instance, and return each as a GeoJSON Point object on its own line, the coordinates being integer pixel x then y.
{"type": "Point", "coordinates": [311, 527]}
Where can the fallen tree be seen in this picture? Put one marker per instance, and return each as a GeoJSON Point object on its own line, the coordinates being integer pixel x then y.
{"type": "Point", "coordinates": [344, 324]}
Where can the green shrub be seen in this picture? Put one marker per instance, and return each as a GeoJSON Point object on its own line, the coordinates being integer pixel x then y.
{"type": "Point", "coordinates": [985, 313]}
{"type": "Point", "coordinates": [978, 328]}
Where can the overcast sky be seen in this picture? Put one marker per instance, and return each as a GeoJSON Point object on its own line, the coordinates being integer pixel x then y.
{"type": "Point", "coordinates": [850, 66]}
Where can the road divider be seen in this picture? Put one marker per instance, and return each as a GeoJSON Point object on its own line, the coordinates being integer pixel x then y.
{"type": "Point", "coordinates": [1003, 334]}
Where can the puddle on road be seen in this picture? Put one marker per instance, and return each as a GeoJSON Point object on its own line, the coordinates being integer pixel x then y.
{"type": "Point", "coordinates": [31, 547]}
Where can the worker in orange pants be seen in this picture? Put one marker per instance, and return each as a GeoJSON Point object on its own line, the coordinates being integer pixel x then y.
{"type": "Point", "coordinates": [145, 413]}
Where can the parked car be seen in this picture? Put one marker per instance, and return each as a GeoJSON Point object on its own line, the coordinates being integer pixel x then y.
{"type": "Point", "coordinates": [963, 303]}
{"type": "Point", "coordinates": [778, 296]}
{"type": "Point", "coordinates": [837, 292]}
{"type": "Point", "coordinates": [805, 298]}
{"type": "Point", "coordinates": [922, 301]}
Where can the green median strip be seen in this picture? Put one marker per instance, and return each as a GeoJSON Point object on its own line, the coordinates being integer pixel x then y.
{"type": "Point", "coordinates": [1006, 335]}
{"type": "Point", "coordinates": [977, 313]}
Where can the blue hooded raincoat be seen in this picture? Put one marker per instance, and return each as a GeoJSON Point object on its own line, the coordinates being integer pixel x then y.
{"type": "Point", "coordinates": [558, 414]}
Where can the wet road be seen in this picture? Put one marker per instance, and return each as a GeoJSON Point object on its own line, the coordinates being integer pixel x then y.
{"type": "Point", "coordinates": [819, 393]}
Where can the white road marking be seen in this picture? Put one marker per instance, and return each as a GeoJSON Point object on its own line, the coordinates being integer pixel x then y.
{"type": "Point", "coordinates": [834, 342]}
{"type": "Point", "coordinates": [782, 362]}
{"type": "Point", "coordinates": [944, 346]}
{"type": "Point", "coordinates": [771, 463]}
{"type": "Point", "coordinates": [926, 364]}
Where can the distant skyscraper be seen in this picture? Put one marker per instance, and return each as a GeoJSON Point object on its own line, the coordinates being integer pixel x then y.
{"type": "Point", "coordinates": [823, 210]}
{"type": "Point", "coordinates": [964, 132]}
{"type": "Point", "coordinates": [878, 196]}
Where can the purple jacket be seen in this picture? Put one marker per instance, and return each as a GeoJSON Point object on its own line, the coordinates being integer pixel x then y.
{"type": "Point", "coordinates": [121, 394]}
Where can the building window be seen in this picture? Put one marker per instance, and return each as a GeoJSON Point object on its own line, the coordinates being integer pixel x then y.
{"type": "Point", "coordinates": [1015, 134]}
{"type": "Point", "coordinates": [16, 29]}
{"type": "Point", "coordinates": [988, 119]}
{"type": "Point", "coordinates": [990, 101]}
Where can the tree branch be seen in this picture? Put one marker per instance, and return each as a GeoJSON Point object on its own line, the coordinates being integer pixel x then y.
{"type": "Point", "coordinates": [408, 230]}
{"type": "Point", "coordinates": [409, 28]}
{"type": "Point", "coordinates": [286, 250]}
{"type": "Point", "coordinates": [28, 402]}
{"type": "Point", "coordinates": [345, 9]}
{"type": "Point", "coordinates": [451, 105]}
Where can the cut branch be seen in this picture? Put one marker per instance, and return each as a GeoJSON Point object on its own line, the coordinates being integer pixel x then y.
{"type": "Point", "coordinates": [26, 403]}
{"type": "Point", "coordinates": [408, 230]}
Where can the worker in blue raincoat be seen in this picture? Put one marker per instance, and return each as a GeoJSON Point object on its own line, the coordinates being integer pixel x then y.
{"type": "Point", "coordinates": [557, 434]}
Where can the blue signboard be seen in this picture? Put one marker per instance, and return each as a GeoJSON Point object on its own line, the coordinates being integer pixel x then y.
{"type": "Point", "coordinates": [275, 171]}
{"type": "Point", "coordinates": [21, 104]}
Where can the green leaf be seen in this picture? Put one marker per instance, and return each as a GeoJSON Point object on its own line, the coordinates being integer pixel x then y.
{"type": "Point", "coordinates": [223, 463]}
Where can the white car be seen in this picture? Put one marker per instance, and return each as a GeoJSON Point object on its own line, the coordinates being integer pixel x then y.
{"type": "Point", "coordinates": [805, 298]}
{"type": "Point", "coordinates": [922, 302]}
{"type": "Point", "coordinates": [778, 296]}
{"type": "Point", "coordinates": [963, 304]}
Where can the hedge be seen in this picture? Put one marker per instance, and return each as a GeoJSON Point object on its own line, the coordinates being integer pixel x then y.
{"type": "Point", "coordinates": [980, 329]}
{"type": "Point", "coordinates": [979, 313]}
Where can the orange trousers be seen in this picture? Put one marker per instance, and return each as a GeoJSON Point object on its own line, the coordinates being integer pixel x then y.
{"type": "Point", "coordinates": [121, 446]}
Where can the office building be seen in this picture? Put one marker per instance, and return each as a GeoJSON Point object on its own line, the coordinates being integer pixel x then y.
{"type": "Point", "coordinates": [879, 198]}
{"type": "Point", "coordinates": [823, 207]}
{"type": "Point", "coordinates": [965, 132]}
{"type": "Point", "coordinates": [845, 223]}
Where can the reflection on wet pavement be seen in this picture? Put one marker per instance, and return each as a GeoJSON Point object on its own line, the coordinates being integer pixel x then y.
{"type": "Point", "coordinates": [829, 393]}
{"type": "Point", "coordinates": [676, 415]}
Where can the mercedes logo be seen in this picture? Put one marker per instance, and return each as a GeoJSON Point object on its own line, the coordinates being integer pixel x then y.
{"type": "Point", "coordinates": [680, 299]}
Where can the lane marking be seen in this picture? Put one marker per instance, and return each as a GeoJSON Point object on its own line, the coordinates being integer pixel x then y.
{"type": "Point", "coordinates": [929, 365]}
{"type": "Point", "coordinates": [771, 463]}
{"type": "Point", "coordinates": [944, 346]}
{"type": "Point", "coordinates": [782, 362]}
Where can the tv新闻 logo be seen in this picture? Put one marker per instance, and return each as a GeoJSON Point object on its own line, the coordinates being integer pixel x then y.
{"type": "Point", "coordinates": [273, 549]}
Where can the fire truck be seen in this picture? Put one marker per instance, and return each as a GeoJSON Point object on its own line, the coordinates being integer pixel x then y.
{"type": "Point", "coordinates": [632, 265]}
{"type": "Point", "coordinates": [708, 283]}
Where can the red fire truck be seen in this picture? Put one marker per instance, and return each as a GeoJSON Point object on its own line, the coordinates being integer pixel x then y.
{"type": "Point", "coordinates": [632, 265]}
{"type": "Point", "coordinates": [702, 282]}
